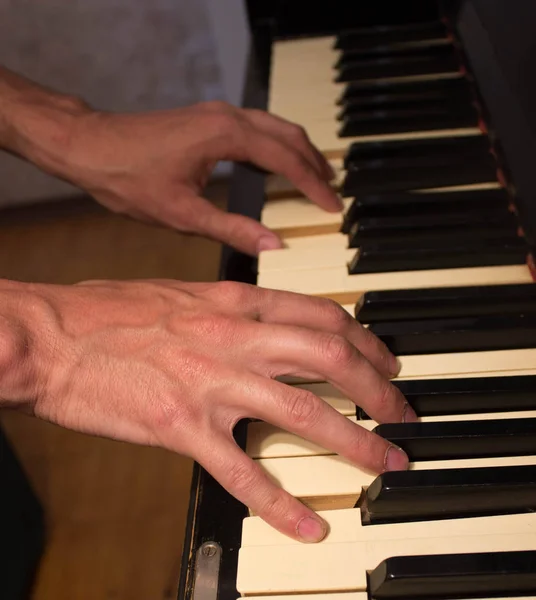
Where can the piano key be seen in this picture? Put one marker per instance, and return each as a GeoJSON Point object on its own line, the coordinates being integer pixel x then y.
{"type": "Point", "coordinates": [324, 250]}
{"type": "Point", "coordinates": [407, 241]}
{"type": "Point", "coordinates": [449, 494]}
{"type": "Point", "coordinates": [360, 596]}
{"type": "Point", "coordinates": [449, 440]}
{"type": "Point", "coordinates": [491, 222]}
{"type": "Point", "coordinates": [361, 94]}
{"type": "Point", "coordinates": [408, 150]}
{"type": "Point", "coordinates": [333, 396]}
{"type": "Point", "coordinates": [375, 258]}
{"type": "Point", "coordinates": [370, 231]}
{"type": "Point", "coordinates": [299, 216]}
{"type": "Point", "coordinates": [407, 177]}
{"type": "Point", "coordinates": [265, 440]}
{"type": "Point", "coordinates": [398, 120]}
{"type": "Point", "coordinates": [328, 481]}
{"type": "Point", "coordinates": [458, 334]}
{"type": "Point", "coordinates": [343, 566]}
{"type": "Point", "coordinates": [417, 63]}
{"type": "Point", "coordinates": [474, 364]}
{"type": "Point", "coordinates": [459, 101]}
{"type": "Point", "coordinates": [425, 303]}
{"type": "Point", "coordinates": [336, 283]}
{"type": "Point", "coordinates": [454, 575]}
{"type": "Point", "coordinates": [468, 395]}
{"type": "Point", "coordinates": [334, 596]}
{"type": "Point", "coordinates": [367, 37]}
{"type": "Point", "coordinates": [437, 48]}
{"type": "Point", "coordinates": [405, 204]}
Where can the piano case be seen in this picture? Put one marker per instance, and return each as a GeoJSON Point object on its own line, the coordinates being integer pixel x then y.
{"type": "Point", "coordinates": [498, 40]}
{"type": "Point", "coordinates": [21, 526]}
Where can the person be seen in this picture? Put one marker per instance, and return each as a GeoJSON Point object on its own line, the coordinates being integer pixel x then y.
{"type": "Point", "coordinates": [177, 364]}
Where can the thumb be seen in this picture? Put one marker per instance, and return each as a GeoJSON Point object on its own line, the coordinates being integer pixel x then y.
{"type": "Point", "coordinates": [238, 231]}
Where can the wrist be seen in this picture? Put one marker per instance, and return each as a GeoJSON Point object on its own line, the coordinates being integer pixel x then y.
{"type": "Point", "coordinates": [24, 345]}
{"type": "Point", "coordinates": [38, 124]}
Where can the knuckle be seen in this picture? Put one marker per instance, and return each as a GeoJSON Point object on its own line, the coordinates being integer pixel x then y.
{"type": "Point", "coordinates": [233, 294]}
{"type": "Point", "coordinates": [336, 316]}
{"type": "Point", "coordinates": [385, 396]}
{"type": "Point", "coordinates": [275, 504]}
{"type": "Point", "coordinates": [303, 410]}
{"type": "Point", "coordinates": [336, 350]}
{"type": "Point", "coordinates": [242, 477]}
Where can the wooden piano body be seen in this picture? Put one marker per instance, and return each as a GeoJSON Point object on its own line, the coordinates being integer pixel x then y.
{"type": "Point", "coordinates": [496, 39]}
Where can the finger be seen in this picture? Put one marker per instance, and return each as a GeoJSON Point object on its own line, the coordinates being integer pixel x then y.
{"type": "Point", "coordinates": [289, 308]}
{"type": "Point", "coordinates": [294, 135]}
{"type": "Point", "coordinates": [248, 482]}
{"type": "Point", "coordinates": [306, 415]}
{"type": "Point", "coordinates": [285, 350]}
{"type": "Point", "coordinates": [275, 156]}
{"type": "Point", "coordinates": [238, 231]}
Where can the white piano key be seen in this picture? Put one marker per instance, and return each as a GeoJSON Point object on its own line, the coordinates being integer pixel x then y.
{"type": "Point", "coordinates": [330, 481]}
{"type": "Point", "coordinates": [335, 596]}
{"type": "Point", "coordinates": [331, 395]}
{"type": "Point", "coordinates": [322, 251]}
{"type": "Point", "coordinates": [346, 526]}
{"type": "Point", "coordinates": [324, 567]}
{"type": "Point", "coordinates": [336, 283]}
{"type": "Point", "coordinates": [475, 363]}
{"type": "Point", "coordinates": [265, 440]}
{"type": "Point", "coordinates": [299, 216]}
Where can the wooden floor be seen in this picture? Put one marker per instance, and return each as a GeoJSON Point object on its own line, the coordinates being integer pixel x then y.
{"type": "Point", "coordinates": [116, 512]}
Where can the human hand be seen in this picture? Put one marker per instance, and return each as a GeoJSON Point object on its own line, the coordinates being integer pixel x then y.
{"type": "Point", "coordinates": [177, 365]}
{"type": "Point", "coordinates": [154, 166]}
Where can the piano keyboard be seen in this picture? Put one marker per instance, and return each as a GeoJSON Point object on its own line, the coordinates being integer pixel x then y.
{"type": "Point", "coordinates": [428, 253]}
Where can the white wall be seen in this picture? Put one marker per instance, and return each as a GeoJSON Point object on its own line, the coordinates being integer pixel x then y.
{"type": "Point", "coordinates": [120, 55]}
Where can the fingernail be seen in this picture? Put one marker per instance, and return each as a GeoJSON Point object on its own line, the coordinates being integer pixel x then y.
{"type": "Point", "coordinates": [311, 530]}
{"type": "Point", "coordinates": [268, 242]}
{"type": "Point", "coordinates": [409, 415]}
{"type": "Point", "coordinates": [395, 459]}
{"type": "Point", "coordinates": [394, 365]}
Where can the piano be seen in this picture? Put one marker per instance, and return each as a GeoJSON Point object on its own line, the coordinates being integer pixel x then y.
{"type": "Point", "coordinates": [426, 111]}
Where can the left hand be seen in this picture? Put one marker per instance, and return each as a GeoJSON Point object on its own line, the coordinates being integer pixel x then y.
{"type": "Point", "coordinates": [154, 166]}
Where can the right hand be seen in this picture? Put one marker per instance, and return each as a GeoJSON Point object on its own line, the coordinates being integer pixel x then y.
{"type": "Point", "coordinates": [177, 365]}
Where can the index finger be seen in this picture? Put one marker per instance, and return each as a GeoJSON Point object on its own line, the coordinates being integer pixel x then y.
{"type": "Point", "coordinates": [280, 157]}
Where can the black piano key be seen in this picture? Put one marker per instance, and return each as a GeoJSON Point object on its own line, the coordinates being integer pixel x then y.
{"type": "Point", "coordinates": [385, 258]}
{"type": "Point", "coordinates": [397, 66]}
{"type": "Point", "coordinates": [471, 395]}
{"type": "Point", "coordinates": [367, 37]}
{"type": "Point", "coordinates": [449, 576]}
{"type": "Point", "coordinates": [410, 203]}
{"type": "Point", "coordinates": [408, 240]}
{"type": "Point", "coordinates": [371, 181]}
{"type": "Point", "coordinates": [430, 303]}
{"type": "Point", "coordinates": [379, 92]}
{"type": "Point", "coordinates": [458, 334]}
{"type": "Point", "coordinates": [455, 105]}
{"type": "Point", "coordinates": [448, 440]}
{"type": "Point", "coordinates": [385, 121]}
{"type": "Point", "coordinates": [432, 49]}
{"type": "Point", "coordinates": [468, 146]}
{"type": "Point", "coordinates": [450, 494]}
{"type": "Point", "coordinates": [416, 229]}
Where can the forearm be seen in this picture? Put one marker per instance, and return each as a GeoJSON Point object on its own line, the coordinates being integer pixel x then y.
{"type": "Point", "coordinates": [36, 123]}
